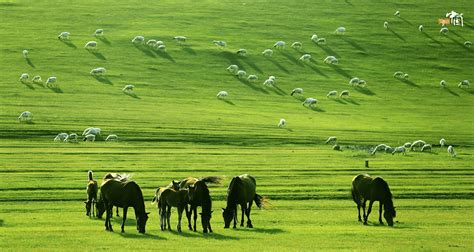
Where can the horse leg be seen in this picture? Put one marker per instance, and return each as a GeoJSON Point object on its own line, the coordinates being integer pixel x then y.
{"type": "Point", "coordinates": [194, 217]}
{"type": "Point", "coordinates": [168, 217]}
{"type": "Point", "coordinates": [180, 214]}
{"type": "Point", "coordinates": [368, 211]}
{"type": "Point", "coordinates": [108, 223]}
{"type": "Point", "coordinates": [106, 217]}
{"type": "Point", "coordinates": [363, 210]}
{"type": "Point", "coordinates": [380, 213]}
{"type": "Point", "coordinates": [243, 208]}
{"type": "Point", "coordinates": [235, 216]}
{"type": "Point", "coordinates": [117, 212]}
{"type": "Point", "coordinates": [358, 209]}
{"type": "Point", "coordinates": [125, 208]}
{"type": "Point", "coordinates": [188, 215]}
{"type": "Point", "coordinates": [247, 212]}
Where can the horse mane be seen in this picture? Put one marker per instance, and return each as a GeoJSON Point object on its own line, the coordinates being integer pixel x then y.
{"type": "Point", "coordinates": [384, 186]}
{"type": "Point", "coordinates": [90, 174]}
{"type": "Point", "coordinates": [124, 177]}
{"type": "Point", "coordinates": [233, 189]}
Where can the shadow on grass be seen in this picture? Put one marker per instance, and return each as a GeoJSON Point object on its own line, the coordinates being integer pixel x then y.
{"type": "Point", "coordinates": [459, 43]}
{"type": "Point", "coordinates": [455, 33]}
{"type": "Point", "coordinates": [433, 39]}
{"type": "Point", "coordinates": [252, 65]}
{"type": "Point", "coordinates": [146, 51]}
{"type": "Point", "coordinates": [349, 3]}
{"type": "Point", "coordinates": [467, 90]}
{"type": "Point", "coordinates": [133, 95]}
{"type": "Point", "coordinates": [299, 98]}
{"type": "Point", "coordinates": [328, 50]}
{"type": "Point", "coordinates": [1, 223]}
{"type": "Point", "coordinates": [396, 34]}
{"type": "Point", "coordinates": [451, 91]}
{"type": "Point", "coordinates": [103, 79]}
{"type": "Point", "coordinates": [141, 236]}
{"type": "Point", "coordinates": [292, 59]}
{"type": "Point", "coordinates": [97, 54]}
{"type": "Point", "coordinates": [189, 50]}
{"type": "Point", "coordinates": [405, 20]}
{"type": "Point", "coordinates": [69, 43]}
{"type": "Point", "coordinates": [57, 90]}
{"type": "Point", "coordinates": [351, 101]}
{"type": "Point", "coordinates": [341, 71]}
{"type": "Point", "coordinates": [227, 101]}
{"type": "Point", "coordinates": [316, 69]}
{"type": "Point", "coordinates": [232, 58]}
{"type": "Point", "coordinates": [165, 55]}
{"type": "Point", "coordinates": [250, 85]}
{"type": "Point", "coordinates": [353, 43]}
{"type": "Point", "coordinates": [279, 91]}
{"type": "Point", "coordinates": [262, 230]}
{"type": "Point", "coordinates": [277, 64]}
{"type": "Point", "coordinates": [364, 90]}
{"type": "Point", "coordinates": [28, 85]}
{"type": "Point", "coordinates": [341, 101]}
{"type": "Point", "coordinates": [30, 63]}
{"type": "Point", "coordinates": [411, 83]}
{"type": "Point", "coordinates": [105, 40]}
{"type": "Point", "coordinates": [314, 108]}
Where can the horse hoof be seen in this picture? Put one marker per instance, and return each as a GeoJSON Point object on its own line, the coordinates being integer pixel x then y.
{"type": "Point", "coordinates": [365, 223]}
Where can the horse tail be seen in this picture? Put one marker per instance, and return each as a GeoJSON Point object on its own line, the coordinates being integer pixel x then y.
{"type": "Point", "coordinates": [212, 179]}
{"type": "Point", "coordinates": [90, 174]}
{"type": "Point", "coordinates": [156, 197]}
{"type": "Point", "coordinates": [261, 201]}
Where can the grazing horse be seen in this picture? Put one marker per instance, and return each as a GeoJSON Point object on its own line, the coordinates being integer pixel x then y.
{"type": "Point", "coordinates": [241, 191]}
{"type": "Point", "coordinates": [123, 194]}
{"type": "Point", "coordinates": [92, 189]}
{"type": "Point", "coordinates": [366, 188]}
{"type": "Point", "coordinates": [198, 195]}
{"type": "Point", "coordinates": [168, 198]}
{"type": "Point", "coordinates": [100, 204]}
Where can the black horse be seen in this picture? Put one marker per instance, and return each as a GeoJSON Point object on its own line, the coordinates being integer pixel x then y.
{"type": "Point", "coordinates": [241, 191]}
{"type": "Point", "coordinates": [123, 194]}
{"type": "Point", "coordinates": [199, 196]}
{"type": "Point", "coordinates": [366, 188]}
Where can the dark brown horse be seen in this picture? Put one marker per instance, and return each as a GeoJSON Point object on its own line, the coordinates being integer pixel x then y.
{"type": "Point", "coordinates": [199, 196]}
{"type": "Point", "coordinates": [100, 208]}
{"type": "Point", "coordinates": [123, 194]}
{"type": "Point", "coordinates": [366, 188]}
{"type": "Point", "coordinates": [92, 189]}
{"type": "Point", "coordinates": [241, 191]}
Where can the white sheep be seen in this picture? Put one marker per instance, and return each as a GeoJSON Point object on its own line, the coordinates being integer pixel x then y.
{"type": "Point", "coordinates": [417, 143]}
{"type": "Point", "coordinates": [361, 83]}
{"type": "Point", "coordinates": [421, 28]}
{"type": "Point", "coordinates": [380, 147]}
{"type": "Point", "coordinates": [89, 137]}
{"type": "Point", "coordinates": [268, 82]}
{"type": "Point", "coordinates": [63, 36]}
{"type": "Point", "coordinates": [331, 139]}
{"type": "Point", "coordinates": [389, 149]}
{"type": "Point", "coordinates": [151, 42]}
{"type": "Point", "coordinates": [252, 78]}
{"type": "Point", "coordinates": [60, 137]}
{"type": "Point", "coordinates": [306, 57]}
{"type": "Point", "coordinates": [36, 79]}
{"type": "Point", "coordinates": [282, 123]}
{"type": "Point", "coordinates": [354, 81]}
{"type": "Point", "coordinates": [340, 30]}
{"type": "Point", "coordinates": [91, 45]}
{"type": "Point", "coordinates": [344, 93]}
{"type": "Point", "coordinates": [296, 91]}
{"type": "Point", "coordinates": [464, 83]}
{"type": "Point", "coordinates": [320, 41]}
{"type": "Point", "coordinates": [50, 81]}
{"type": "Point", "coordinates": [24, 77]}
{"type": "Point", "coordinates": [332, 93]}
{"type": "Point", "coordinates": [442, 142]}
{"type": "Point", "coordinates": [331, 60]}
{"type": "Point", "coordinates": [267, 53]}
{"type": "Point", "coordinates": [25, 54]}
{"type": "Point", "coordinates": [451, 151]}
{"type": "Point", "coordinates": [310, 102]}
{"type": "Point", "coordinates": [407, 145]}
{"type": "Point", "coordinates": [128, 88]}
{"type": "Point", "coordinates": [468, 44]}
{"type": "Point", "coordinates": [398, 74]}
{"type": "Point", "coordinates": [242, 52]}
{"type": "Point", "coordinates": [444, 30]}
{"type": "Point", "coordinates": [112, 138]}
{"type": "Point", "coordinates": [385, 25]}
{"type": "Point", "coordinates": [397, 13]}
{"type": "Point", "coordinates": [405, 76]}
{"type": "Point", "coordinates": [138, 40]}
{"type": "Point", "coordinates": [219, 43]}
{"type": "Point", "coordinates": [158, 43]}
{"type": "Point", "coordinates": [241, 74]}
{"type": "Point", "coordinates": [296, 45]}
{"type": "Point", "coordinates": [400, 149]}
{"type": "Point", "coordinates": [72, 138]}
{"type": "Point", "coordinates": [314, 38]}
{"type": "Point", "coordinates": [426, 147]}
{"type": "Point", "coordinates": [222, 94]}
{"type": "Point", "coordinates": [98, 71]}
{"type": "Point", "coordinates": [279, 44]}
{"type": "Point", "coordinates": [233, 69]}
{"type": "Point", "coordinates": [99, 33]}
{"type": "Point", "coordinates": [91, 130]}
{"type": "Point", "coordinates": [25, 116]}
{"type": "Point", "coordinates": [442, 83]}
{"type": "Point", "coordinates": [161, 48]}
{"type": "Point", "coordinates": [180, 39]}
{"type": "Point", "coordinates": [271, 77]}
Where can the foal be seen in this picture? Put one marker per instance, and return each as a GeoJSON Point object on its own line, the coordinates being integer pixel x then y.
{"type": "Point", "coordinates": [92, 189]}
{"type": "Point", "coordinates": [168, 198]}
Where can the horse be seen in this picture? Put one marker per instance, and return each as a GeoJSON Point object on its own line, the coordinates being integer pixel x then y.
{"type": "Point", "coordinates": [92, 189]}
{"type": "Point", "coordinates": [123, 194]}
{"type": "Point", "coordinates": [198, 195]}
{"type": "Point", "coordinates": [168, 198]}
{"type": "Point", "coordinates": [366, 188]}
{"type": "Point", "coordinates": [100, 207]}
{"type": "Point", "coordinates": [241, 191]}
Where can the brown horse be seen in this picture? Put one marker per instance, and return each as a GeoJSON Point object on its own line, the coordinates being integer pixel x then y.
{"type": "Point", "coordinates": [167, 198]}
{"type": "Point", "coordinates": [100, 204]}
{"type": "Point", "coordinates": [199, 196]}
{"type": "Point", "coordinates": [366, 188]}
{"type": "Point", "coordinates": [123, 194]}
{"type": "Point", "coordinates": [92, 189]}
{"type": "Point", "coordinates": [241, 191]}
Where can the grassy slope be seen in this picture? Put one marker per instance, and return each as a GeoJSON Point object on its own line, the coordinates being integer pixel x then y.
{"type": "Point", "coordinates": [177, 128]}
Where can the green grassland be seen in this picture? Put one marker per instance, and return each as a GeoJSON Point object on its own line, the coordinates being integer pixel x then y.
{"type": "Point", "coordinates": [176, 127]}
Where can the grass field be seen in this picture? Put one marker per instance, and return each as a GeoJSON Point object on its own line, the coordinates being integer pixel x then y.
{"type": "Point", "coordinates": [175, 127]}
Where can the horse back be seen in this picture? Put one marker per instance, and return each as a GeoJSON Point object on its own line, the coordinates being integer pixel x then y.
{"type": "Point", "coordinates": [246, 188]}
{"type": "Point", "coordinates": [380, 190]}
{"type": "Point", "coordinates": [361, 185]}
{"type": "Point", "coordinates": [121, 193]}
{"type": "Point", "coordinates": [187, 182]}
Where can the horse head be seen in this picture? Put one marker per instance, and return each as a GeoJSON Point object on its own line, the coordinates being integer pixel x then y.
{"type": "Point", "coordinates": [389, 214]}
{"type": "Point", "coordinates": [228, 215]}
{"type": "Point", "coordinates": [100, 207]}
{"type": "Point", "coordinates": [141, 222]}
{"type": "Point", "coordinates": [206, 220]}
{"type": "Point", "coordinates": [175, 184]}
